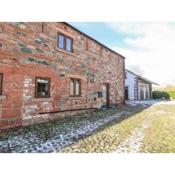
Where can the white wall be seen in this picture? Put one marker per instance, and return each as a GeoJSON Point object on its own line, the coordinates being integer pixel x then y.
{"type": "Point", "coordinates": [129, 82]}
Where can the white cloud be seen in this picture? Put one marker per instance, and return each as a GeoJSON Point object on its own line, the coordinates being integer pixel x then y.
{"type": "Point", "coordinates": [152, 49]}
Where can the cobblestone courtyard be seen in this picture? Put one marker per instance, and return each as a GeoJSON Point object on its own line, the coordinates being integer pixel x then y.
{"type": "Point", "coordinates": [52, 137]}
{"type": "Point", "coordinates": [128, 129]}
{"type": "Point", "coordinates": [148, 131]}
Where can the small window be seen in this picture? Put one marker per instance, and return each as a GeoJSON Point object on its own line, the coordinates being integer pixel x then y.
{"type": "Point", "coordinates": [71, 87]}
{"type": "Point", "coordinates": [42, 87]}
{"type": "Point", "coordinates": [69, 44]}
{"type": "Point", "coordinates": [1, 80]}
{"type": "Point", "coordinates": [65, 42]}
{"type": "Point", "coordinates": [61, 41]}
{"type": "Point", "coordinates": [75, 87]}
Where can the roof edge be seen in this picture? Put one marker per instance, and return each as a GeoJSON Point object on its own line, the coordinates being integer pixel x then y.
{"type": "Point", "coordinates": [142, 78]}
{"type": "Point", "coordinates": [93, 39]}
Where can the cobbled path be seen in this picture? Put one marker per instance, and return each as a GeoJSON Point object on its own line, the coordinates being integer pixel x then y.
{"type": "Point", "coordinates": [33, 141]}
{"type": "Point", "coordinates": [132, 143]}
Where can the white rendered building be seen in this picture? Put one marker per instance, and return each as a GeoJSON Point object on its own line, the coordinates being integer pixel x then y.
{"type": "Point", "coordinates": [137, 87]}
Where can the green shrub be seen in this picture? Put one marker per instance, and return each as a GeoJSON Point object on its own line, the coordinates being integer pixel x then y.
{"type": "Point", "coordinates": [161, 95]}
{"type": "Point", "coordinates": [172, 94]}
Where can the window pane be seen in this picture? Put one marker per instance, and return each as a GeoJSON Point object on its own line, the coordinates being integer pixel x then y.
{"type": "Point", "coordinates": [61, 41]}
{"type": "Point", "coordinates": [42, 91]}
{"type": "Point", "coordinates": [69, 44]}
{"type": "Point", "coordinates": [77, 87]}
{"type": "Point", "coordinates": [71, 87]}
{"type": "Point", "coordinates": [43, 87]}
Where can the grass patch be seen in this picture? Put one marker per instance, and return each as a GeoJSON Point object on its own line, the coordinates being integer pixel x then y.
{"type": "Point", "coordinates": [160, 137]}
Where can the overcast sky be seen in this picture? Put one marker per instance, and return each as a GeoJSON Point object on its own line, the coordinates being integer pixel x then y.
{"type": "Point", "coordinates": [149, 48]}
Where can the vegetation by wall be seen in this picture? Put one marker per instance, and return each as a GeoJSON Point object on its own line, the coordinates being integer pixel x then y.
{"type": "Point", "coordinates": [167, 92]}
{"type": "Point", "coordinates": [160, 95]}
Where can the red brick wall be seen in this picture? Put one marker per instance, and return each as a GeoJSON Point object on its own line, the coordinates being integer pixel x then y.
{"type": "Point", "coordinates": [27, 52]}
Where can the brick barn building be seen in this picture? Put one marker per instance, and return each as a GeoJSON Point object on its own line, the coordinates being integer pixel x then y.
{"type": "Point", "coordinates": [46, 68]}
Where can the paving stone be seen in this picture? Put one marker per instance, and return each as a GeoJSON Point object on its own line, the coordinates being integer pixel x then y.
{"type": "Point", "coordinates": [61, 135]}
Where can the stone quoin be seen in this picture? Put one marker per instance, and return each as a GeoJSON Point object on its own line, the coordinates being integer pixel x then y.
{"type": "Point", "coordinates": [50, 67]}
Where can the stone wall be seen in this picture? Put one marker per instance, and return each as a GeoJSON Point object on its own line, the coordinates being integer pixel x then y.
{"type": "Point", "coordinates": [28, 50]}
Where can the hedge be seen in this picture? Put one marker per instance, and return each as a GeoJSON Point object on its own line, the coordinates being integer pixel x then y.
{"type": "Point", "coordinates": [161, 95]}
{"type": "Point", "coordinates": [172, 94]}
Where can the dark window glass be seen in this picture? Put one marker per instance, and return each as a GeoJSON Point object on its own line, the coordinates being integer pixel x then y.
{"type": "Point", "coordinates": [75, 87]}
{"type": "Point", "coordinates": [1, 79]}
{"type": "Point", "coordinates": [42, 87]}
{"type": "Point", "coordinates": [69, 44]}
{"type": "Point", "coordinates": [65, 42]}
{"type": "Point", "coordinates": [61, 41]}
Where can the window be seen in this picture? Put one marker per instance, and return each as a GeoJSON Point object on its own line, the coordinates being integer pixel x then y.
{"type": "Point", "coordinates": [65, 42]}
{"type": "Point", "coordinates": [61, 41]}
{"type": "Point", "coordinates": [1, 79]}
{"type": "Point", "coordinates": [42, 87]}
{"type": "Point", "coordinates": [75, 87]}
{"type": "Point", "coordinates": [69, 44]}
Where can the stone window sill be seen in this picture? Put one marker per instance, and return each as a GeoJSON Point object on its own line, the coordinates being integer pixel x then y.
{"type": "Point", "coordinates": [3, 97]}
{"type": "Point", "coordinates": [64, 51]}
{"type": "Point", "coordinates": [75, 97]}
{"type": "Point", "coordinates": [41, 99]}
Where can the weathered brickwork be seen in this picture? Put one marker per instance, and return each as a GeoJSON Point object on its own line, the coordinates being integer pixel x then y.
{"type": "Point", "coordinates": [29, 50]}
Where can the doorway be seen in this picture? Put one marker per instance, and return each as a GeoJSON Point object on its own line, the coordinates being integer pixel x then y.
{"type": "Point", "coordinates": [107, 94]}
{"type": "Point", "coordinates": [142, 93]}
{"type": "Point", "coordinates": [126, 93]}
